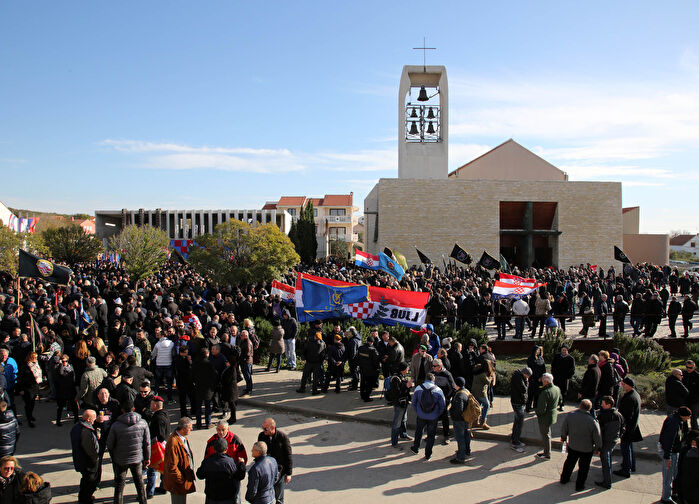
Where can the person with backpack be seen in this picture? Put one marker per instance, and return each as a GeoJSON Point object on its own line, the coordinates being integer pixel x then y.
{"type": "Point", "coordinates": [463, 407]}
{"type": "Point", "coordinates": [398, 395]}
{"type": "Point", "coordinates": [428, 403]}
{"type": "Point", "coordinates": [612, 428]}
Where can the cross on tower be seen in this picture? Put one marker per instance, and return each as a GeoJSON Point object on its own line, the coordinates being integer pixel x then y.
{"type": "Point", "coordinates": [424, 50]}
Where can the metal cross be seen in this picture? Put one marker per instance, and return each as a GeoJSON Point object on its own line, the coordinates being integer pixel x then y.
{"type": "Point", "coordinates": [424, 52]}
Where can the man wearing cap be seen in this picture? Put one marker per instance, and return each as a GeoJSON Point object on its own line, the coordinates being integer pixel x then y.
{"type": "Point", "coordinates": [420, 365]}
{"type": "Point", "coordinates": [159, 430]}
{"type": "Point", "coordinates": [670, 441]}
{"type": "Point", "coordinates": [402, 385]}
{"type": "Point", "coordinates": [222, 474]}
{"type": "Point", "coordinates": [369, 364]}
{"type": "Point", "coordinates": [125, 390]}
{"type": "Point", "coordinates": [630, 409]}
{"type": "Point", "coordinates": [461, 433]}
{"type": "Point", "coordinates": [562, 369]}
{"type": "Point", "coordinates": [519, 385]}
{"type": "Point", "coordinates": [546, 413]}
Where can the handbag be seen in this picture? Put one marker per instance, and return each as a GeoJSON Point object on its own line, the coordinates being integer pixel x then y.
{"type": "Point", "coordinates": [157, 455]}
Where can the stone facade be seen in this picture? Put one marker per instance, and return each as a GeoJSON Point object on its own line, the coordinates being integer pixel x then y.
{"type": "Point", "coordinates": [434, 214]}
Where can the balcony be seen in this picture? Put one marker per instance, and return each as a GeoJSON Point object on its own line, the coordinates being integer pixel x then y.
{"type": "Point", "coordinates": [338, 219]}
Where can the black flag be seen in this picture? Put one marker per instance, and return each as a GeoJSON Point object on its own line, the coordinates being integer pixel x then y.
{"type": "Point", "coordinates": [620, 256]}
{"type": "Point", "coordinates": [461, 255]}
{"type": "Point", "coordinates": [423, 258]}
{"type": "Point", "coordinates": [35, 267]}
{"type": "Point", "coordinates": [489, 262]}
{"type": "Point", "coordinates": [178, 257]}
{"type": "Point", "coordinates": [389, 253]}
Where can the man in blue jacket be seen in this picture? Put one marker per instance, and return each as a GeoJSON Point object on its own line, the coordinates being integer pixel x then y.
{"type": "Point", "coordinates": [428, 403]}
{"type": "Point", "coordinates": [261, 476]}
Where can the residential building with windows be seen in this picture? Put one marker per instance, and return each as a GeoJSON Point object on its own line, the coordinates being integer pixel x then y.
{"type": "Point", "coordinates": [685, 243]}
{"type": "Point", "coordinates": [334, 215]}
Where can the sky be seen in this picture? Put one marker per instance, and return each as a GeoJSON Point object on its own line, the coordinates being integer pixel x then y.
{"type": "Point", "coordinates": [222, 104]}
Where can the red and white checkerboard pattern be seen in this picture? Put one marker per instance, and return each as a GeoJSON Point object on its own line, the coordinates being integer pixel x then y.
{"type": "Point", "coordinates": [361, 310]}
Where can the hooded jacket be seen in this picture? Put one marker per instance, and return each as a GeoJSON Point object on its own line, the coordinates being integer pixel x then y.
{"type": "Point", "coordinates": [129, 439]}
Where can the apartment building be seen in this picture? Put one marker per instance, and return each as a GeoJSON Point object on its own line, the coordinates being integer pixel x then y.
{"type": "Point", "coordinates": [334, 214]}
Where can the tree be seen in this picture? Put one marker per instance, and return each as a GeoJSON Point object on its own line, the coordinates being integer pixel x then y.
{"type": "Point", "coordinates": [237, 253]}
{"type": "Point", "coordinates": [303, 235]}
{"type": "Point", "coordinates": [339, 248]}
{"type": "Point", "coordinates": [72, 244]}
{"type": "Point", "coordinates": [143, 250]}
{"type": "Point", "coordinates": [11, 242]}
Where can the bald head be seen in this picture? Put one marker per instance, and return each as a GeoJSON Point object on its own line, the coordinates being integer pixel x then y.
{"type": "Point", "coordinates": [89, 416]}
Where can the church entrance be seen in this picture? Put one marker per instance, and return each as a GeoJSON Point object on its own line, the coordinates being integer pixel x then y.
{"type": "Point", "coordinates": [529, 233]}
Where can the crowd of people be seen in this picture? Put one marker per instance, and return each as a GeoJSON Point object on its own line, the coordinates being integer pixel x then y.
{"type": "Point", "coordinates": [114, 349]}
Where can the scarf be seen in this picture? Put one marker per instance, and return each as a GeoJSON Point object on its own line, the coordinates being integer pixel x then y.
{"type": "Point", "coordinates": [36, 371]}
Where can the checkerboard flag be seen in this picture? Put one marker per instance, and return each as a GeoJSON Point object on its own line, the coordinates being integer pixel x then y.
{"type": "Point", "coordinates": [620, 256]}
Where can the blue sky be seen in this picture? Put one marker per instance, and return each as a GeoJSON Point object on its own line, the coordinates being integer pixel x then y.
{"type": "Point", "coordinates": [176, 104]}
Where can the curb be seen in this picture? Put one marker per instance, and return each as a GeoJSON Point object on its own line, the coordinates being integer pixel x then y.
{"type": "Point", "coordinates": [343, 417]}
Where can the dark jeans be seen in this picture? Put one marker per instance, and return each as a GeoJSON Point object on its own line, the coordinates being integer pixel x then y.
{"type": "Point", "coordinates": [444, 417]}
{"type": "Point", "coordinates": [272, 358]}
{"type": "Point", "coordinates": [399, 426]}
{"type": "Point", "coordinates": [561, 383]}
{"type": "Point", "coordinates": [246, 369]}
{"type": "Point", "coordinates": [207, 411]}
{"type": "Point", "coordinates": [583, 460]}
{"type": "Point", "coordinates": [334, 372]}
{"type": "Point", "coordinates": [431, 427]}
{"type": "Point", "coordinates": [120, 480]}
{"type": "Point", "coordinates": [463, 439]}
{"type": "Point", "coordinates": [279, 489]}
{"type": "Point", "coordinates": [628, 462]}
{"type": "Point", "coordinates": [539, 320]}
{"type": "Point", "coordinates": [618, 324]}
{"type": "Point", "coordinates": [184, 393]}
{"type": "Point", "coordinates": [367, 384]}
{"type": "Point", "coordinates": [354, 373]}
{"type": "Point", "coordinates": [88, 485]}
{"type": "Point", "coordinates": [29, 401]}
{"type": "Point", "coordinates": [605, 457]}
{"type": "Point", "coordinates": [603, 327]}
{"type": "Point", "coordinates": [501, 323]}
{"type": "Point", "coordinates": [163, 374]}
{"type": "Point", "coordinates": [519, 327]}
{"type": "Point", "coordinates": [517, 424]}
{"type": "Point", "coordinates": [313, 372]}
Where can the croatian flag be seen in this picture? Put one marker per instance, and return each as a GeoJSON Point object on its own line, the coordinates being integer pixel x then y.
{"type": "Point", "coordinates": [285, 292]}
{"type": "Point", "coordinates": [514, 287]}
{"type": "Point", "coordinates": [365, 260]}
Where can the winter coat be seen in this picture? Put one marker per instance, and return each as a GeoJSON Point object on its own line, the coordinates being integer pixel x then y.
{"type": "Point", "coordinates": [563, 368]}
{"type": "Point", "coordinates": [129, 439]}
{"type": "Point", "coordinates": [159, 426]}
{"type": "Point", "coordinates": [27, 382]}
{"type": "Point", "coordinates": [229, 384]}
{"type": "Point", "coordinates": [289, 325]}
{"type": "Point", "coordinates": [178, 475]}
{"type": "Point", "coordinates": [536, 364]}
{"type": "Point", "coordinates": [11, 493]}
{"type": "Point", "coordinates": [611, 423]}
{"type": "Point", "coordinates": [235, 449]}
{"type": "Point", "coordinates": [546, 405]}
{"type": "Point", "coordinates": [261, 478]}
{"type": "Point", "coordinates": [246, 350]}
{"type": "Point", "coordinates": [670, 435]}
{"type": "Point", "coordinates": [89, 382]}
{"type": "Point", "coordinates": [336, 355]}
{"type": "Point", "coordinates": [85, 447]}
{"type": "Point", "coordinates": [276, 343]}
{"type": "Point", "coordinates": [415, 365]}
{"type": "Point", "coordinates": [518, 388]}
{"type": "Point", "coordinates": [396, 355]}
{"type": "Point", "coordinates": [368, 361]}
{"type": "Point", "coordinates": [314, 351]}
{"type": "Point", "coordinates": [222, 475]}
{"type": "Point", "coordinates": [439, 397]}
{"type": "Point", "coordinates": [352, 347]}
{"type": "Point", "coordinates": [279, 448]}
{"type": "Point", "coordinates": [65, 382]}
{"type": "Point", "coordinates": [607, 379]}
{"type": "Point", "coordinates": [41, 496]}
{"type": "Point", "coordinates": [9, 433]}
{"type": "Point", "coordinates": [481, 383]}
{"type": "Point", "coordinates": [675, 392]}
{"type": "Point", "coordinates": [458, 405]}
{"type": "Point", "coordinates": [630, 409]}
{"type": "Point", "coordinates": [204, 379]}
{"type": "Point", "coordinates": [590, 382]}
{"type": "Point", "coordinates": [582, 431]}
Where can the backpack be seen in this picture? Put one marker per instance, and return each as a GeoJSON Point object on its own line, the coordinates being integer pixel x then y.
{"type": "Point", "coordinates": [428, 402]}
{"type": "Point", "coordinates": [472, 411]}
{"type": "Point", "coordinates": [391, 389]}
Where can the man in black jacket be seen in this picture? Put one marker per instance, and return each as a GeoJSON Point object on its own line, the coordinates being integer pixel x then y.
{"type": "Point", "coordinates": [590, 381]}
{"type": "Point", "coordinates": [445, 381]}
{"type": "Point", "coordinates": [336, 364]}
{"type": "Point", "coordinates": [354, 341]}
{"type": "Point", "coordinates": [690, 379]}
{"type": "Point", "coordinates": [314, 353]}
{"type": "Point", "coordinates": [670, 435]}
{"type": "Point", "coordinates": [279, 448]}
{"type": "Point", "coordinates": [519, 385]}
{"type": "Point", "coordinates": [611, 423]}
{"type": "Point", "coordinates": [222, 474]}
{"type": "Point", "coordinates": [291, 328]}
{"type": "Point", "coordinates": [159, 429]}
{"type": "Point", "coordinates": [400, 386]}
{"type": "Point", "coordinates": [204, 381]}
{"type": "Point", "coordinates": [562, 369]}
{"type": "Point", "coordinates": [369, 362]}
{"type": "Point", "coordinates": [85, 445]}
{"type": "Point", "coordinates": [675, 392]}
{"type": "Point", "coordinates": [630, 409]}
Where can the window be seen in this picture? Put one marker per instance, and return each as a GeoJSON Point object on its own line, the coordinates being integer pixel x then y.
{"type": "Point", "coordinates": [693, 244]}
{"type": "Point", "coordinates": [338, 211]}
{"type": "Point", "coordinates": [315, 212]}
{"type": "Point", "coordinates": [337, 233]}
{"type": "Point", "coordinates": [292, 212]}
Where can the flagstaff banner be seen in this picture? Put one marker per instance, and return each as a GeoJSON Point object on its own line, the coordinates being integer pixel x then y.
{"type": "Point", "coordinates": [383, 306]}
{"type": "Point", "coordinates": [366, 260]}
{"type": "Point", "coordinates": [285, 292]}
{"type": "Point", "coordinates": [31, 266]}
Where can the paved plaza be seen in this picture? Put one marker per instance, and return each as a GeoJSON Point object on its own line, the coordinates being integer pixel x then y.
{"type": "Point", "coordinates": [342, 452]}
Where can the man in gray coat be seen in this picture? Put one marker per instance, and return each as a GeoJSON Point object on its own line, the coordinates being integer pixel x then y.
{"type": "Point", "coordinates": [582, 432]}
{"type": "Point", "coordinates": [129, 445]}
